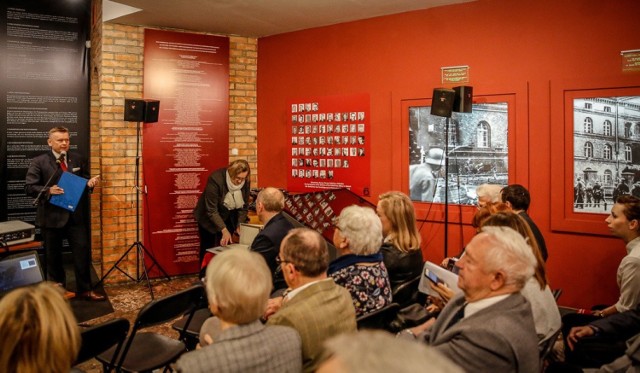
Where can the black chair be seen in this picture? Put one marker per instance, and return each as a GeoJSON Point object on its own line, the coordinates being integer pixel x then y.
{"type": "Point", "coordinates": [556, 294]}
{"type": "Point", "coordinates": [100, 337]}
{"type": "Point", "coordinates": [379, 319]}
{"type": "Point", "coordinates": [407, 292]}
{"type": "Point", "coordinates": [147, 351]}
{"type": "Point", "coordinates": [545, 347]}
{"type": "Point", "coordinates": [192, 332]}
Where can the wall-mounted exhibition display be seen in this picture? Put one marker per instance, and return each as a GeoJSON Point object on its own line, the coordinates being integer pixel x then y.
{"type": "Point", "coordinates": [606, 160]}
{"type": "Point", "coordinates": [189, 75]}
{"type": "Point", "coordinates": [330, 144]}
{"type": "Point", "coordinates": [44, 59]}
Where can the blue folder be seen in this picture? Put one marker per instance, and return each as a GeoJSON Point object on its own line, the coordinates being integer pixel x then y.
{"type": "Point", "coordinates": [73, 186]}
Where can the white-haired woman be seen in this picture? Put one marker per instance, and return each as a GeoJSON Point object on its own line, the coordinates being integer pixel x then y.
{"type": "Point", "coordinates": [238, 284]}
{"type": "Point", "coordinates": [359, 267]}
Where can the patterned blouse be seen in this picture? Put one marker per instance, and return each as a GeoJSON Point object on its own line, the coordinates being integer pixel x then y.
{"type": "Point", "coordinates": [366, 278]}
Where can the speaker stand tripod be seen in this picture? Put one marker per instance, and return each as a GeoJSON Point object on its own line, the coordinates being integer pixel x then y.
{"type": "Point", "coordinates": [141, 250]}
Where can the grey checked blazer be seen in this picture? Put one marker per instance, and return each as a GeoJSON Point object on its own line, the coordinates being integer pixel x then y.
{"type": "Point", "coordinates": [247, 348]}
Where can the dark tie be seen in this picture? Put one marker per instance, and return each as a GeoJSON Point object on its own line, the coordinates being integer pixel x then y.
{"type": "Point", "coordinates": [63, 164]}
{"type": "Point", "coordinates": [457, 317]}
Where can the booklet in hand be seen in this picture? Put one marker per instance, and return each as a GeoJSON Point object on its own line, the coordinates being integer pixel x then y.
{"type": "Point", "coordinates": [73, 186]}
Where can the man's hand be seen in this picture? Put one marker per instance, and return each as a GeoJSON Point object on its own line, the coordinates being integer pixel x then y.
{"type": "Point", "coordinates": [443, 290]}
{"type": "Point", "coordinates": [56, 190]}
{"type": "Point", "coordinates": [273, 305]}
{"type": "Point", "coordinates": [577, 333]}
{"type": "Point", "coordinates": [91, 183]}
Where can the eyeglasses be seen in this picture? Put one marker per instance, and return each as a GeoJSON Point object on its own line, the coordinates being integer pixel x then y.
{"type": "Point", "coordinates": [279, 260]}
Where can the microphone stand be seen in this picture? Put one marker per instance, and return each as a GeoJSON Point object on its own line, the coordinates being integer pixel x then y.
{"type": "Point", "coordinates": [46, 185]}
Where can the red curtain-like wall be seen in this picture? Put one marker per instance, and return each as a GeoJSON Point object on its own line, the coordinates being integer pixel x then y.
{"type": "Point", "coordinates": [516, 48]}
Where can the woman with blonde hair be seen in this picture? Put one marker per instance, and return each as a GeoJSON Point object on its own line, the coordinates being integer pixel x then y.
{"type": "Point", "coordinates": [38, 332]}
{"type": "Point", "coordinates": [401, 246]}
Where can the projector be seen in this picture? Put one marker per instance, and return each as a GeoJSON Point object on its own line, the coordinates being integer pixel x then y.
{"type": "Point", "coordinates": [13, 232]}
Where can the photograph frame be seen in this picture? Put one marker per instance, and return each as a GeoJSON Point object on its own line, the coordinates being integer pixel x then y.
{"type": "Point", "coordinates": [516, 95]}
{"type": "Point", "coordinates": [564, 217]}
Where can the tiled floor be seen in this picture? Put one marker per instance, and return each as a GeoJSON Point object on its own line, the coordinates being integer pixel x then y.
{"type": "Point", "coordinates": [128, 298]}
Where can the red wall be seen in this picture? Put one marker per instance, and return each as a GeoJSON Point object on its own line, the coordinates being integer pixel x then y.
{"type": "Point", "coordinates": [518, 48]}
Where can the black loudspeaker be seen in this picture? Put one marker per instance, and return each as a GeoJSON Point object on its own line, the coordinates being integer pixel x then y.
{"type": "Point", "coordinates": [151, 109]}
{"type": "Point", "coordinates": [464, 99]}
{"type": "Point", "coordinates": [442, 102]}
{"type": "Point", "coordinates": [141, 110]}
{"type": "Point", "coordinates": [133, 110]}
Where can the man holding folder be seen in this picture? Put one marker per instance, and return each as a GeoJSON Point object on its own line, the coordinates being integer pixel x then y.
{"type": "Point", "coordinates": [57, 223]}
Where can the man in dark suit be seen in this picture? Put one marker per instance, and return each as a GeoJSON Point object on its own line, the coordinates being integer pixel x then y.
{"type": "Point", "coordinates": [315, 306]}
{"type": "Point", "coordinates": [603, 340]}
{"type": "Point", "coordinates": [269, 205]}
{"type": "Point", "coordinates": [519, 199]}
{"type": "Point", "coordinates": [489, 327]}
{"type": "Point", "coordinates": [57, 223]}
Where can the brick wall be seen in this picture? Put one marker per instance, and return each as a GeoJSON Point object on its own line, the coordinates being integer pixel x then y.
{"type": "Point", "coordinates": [117, 74]}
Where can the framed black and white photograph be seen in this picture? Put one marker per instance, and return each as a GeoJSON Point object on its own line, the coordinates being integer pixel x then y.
{"type": "Point", "coordinates": [606, 144]}
{"type": "Point", "coordinates": [476, 143]}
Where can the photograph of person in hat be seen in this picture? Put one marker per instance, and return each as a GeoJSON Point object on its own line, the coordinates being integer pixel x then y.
{"type": "Point", "coordinates": [422, 177]}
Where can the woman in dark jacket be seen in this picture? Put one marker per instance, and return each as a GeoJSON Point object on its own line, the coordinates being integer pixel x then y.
{"type": "Point", "coordinates": [401, 247]}
{"type": "Point", "coordinates": [223, 205]}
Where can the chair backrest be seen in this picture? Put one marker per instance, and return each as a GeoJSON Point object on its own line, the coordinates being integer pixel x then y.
{"type": "Point", "coordinates": [406, 292]}
{"type": "Point", "coordinates": [378, 319]}
{"type": "Point", "coordinates": [556, 294]}
{"type": "Point", "coordinates": [100, 337]}
{"type": "Point", "coordinates": [165, 309]}
{"type": "Point", "coordinates": [546, 346]}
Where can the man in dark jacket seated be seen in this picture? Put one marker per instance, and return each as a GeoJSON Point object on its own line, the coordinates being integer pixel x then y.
{"type": "Point", "coordinates": [269, 205]}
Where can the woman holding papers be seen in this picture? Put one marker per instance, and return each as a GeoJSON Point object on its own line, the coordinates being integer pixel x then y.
{"type": "Point", "coordinates": [401, 246]}
{"type": "Point", "coordinates": [223, 205]}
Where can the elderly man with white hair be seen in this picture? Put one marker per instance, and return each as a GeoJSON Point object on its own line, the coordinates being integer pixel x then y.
{"type": "Point", "coordinates": [489, 327]}
{"type": "Point", "coordinates": [488, 193]}
{"type": "Point", "coordinates": [360, 267]}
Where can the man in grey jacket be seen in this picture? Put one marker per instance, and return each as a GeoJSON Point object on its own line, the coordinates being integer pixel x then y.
{"type": "Point", "coordinates": [490, 326]}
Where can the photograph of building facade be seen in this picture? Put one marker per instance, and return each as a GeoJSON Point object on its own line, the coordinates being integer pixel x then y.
{"type": "Point", "coordinates": [606, 151]}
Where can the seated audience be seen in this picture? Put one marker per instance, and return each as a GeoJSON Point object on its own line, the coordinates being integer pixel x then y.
{"type": "Point", "coordinates": [269, 205]}
{"type": "Point", "coordinates": [518, 199]}
{"type": "Point", "coordinates": [546, 314]}
{"type": "Point", "coordinates": [401, 246]}
{"type": "Point", "coordinates": [39, 332]}
{"type": "Point", "coordinates": [483, 212]}
{"type": "Point", "coordinates": [315, 306]}
{"type": "Point", "coordinates": [602, 340]}
{"type": "Point", "coordinates": [624, 223]}
{"type": "Point", "coordinates": [537, 291]}
{"type": "Point", "coordinates": [238, 284]}
{"type": "Point", "coordinates": [489, 327]}
{"type": "Point", "coordinates": [488, 193]}
{"type": "Point", "coordinates": [374, 351]}
{"type": "Point", "coordinates": [359, 267]}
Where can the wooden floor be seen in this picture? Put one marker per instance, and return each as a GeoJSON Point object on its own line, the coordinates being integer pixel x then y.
{"type": "Point", "coordinates": [128, 298]}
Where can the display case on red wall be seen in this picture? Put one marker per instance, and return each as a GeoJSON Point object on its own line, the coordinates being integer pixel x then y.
{"type": "Point", "coordinates": [317, 210]}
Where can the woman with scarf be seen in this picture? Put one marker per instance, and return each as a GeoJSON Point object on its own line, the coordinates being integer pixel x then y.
{"type": "Point", "coordinates": [222, 206]}
{"type": "Point", "coordinates": [359, 267]}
